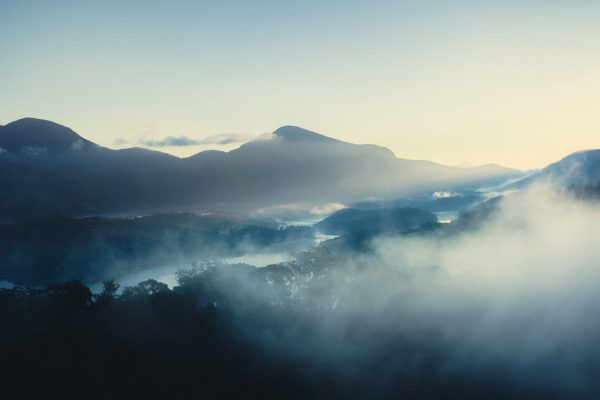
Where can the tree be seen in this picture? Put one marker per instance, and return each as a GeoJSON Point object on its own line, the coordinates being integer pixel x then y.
{"type": "Point", "coordinates": [109, 292]}
{"type": "Point", "coordinates": [77, 294]}
{"type": "Point", "coordinates": [146, 288]}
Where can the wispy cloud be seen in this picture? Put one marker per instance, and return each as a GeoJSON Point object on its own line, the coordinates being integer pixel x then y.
{"type": "Point", "coordinates": [183, 141]}
{"type": "Point", "coordinates": [228, 138]}
{"type": "Point", "coordinates": [121, 142]}
{"type": "Point", "coordinates": [175, 141]}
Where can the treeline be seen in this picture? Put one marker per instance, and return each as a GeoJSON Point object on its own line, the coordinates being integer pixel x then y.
{"type": "Point", "coordinates": [199, 338]}
{"type": "Point", "coordinates": [313, 327]}
{"type": "Point", "coordinates": [148, 341]}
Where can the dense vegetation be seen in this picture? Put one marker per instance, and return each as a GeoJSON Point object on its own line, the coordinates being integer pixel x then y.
{"type": "Point", "coordinates": [308, 328]}
{"type": "Point", "coordinates": [57, 249]}
{"type": "Point", "coordinates": [195, 339]}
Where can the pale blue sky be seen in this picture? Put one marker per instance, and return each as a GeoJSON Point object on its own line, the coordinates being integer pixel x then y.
{"type": "Point", "coordinates": [511, 82]}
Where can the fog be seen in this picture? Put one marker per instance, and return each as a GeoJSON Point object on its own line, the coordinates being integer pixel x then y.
{"type": "Point", "coordinates": [526, 281]}
{"type": "Point", "coordinates": [509, 304]}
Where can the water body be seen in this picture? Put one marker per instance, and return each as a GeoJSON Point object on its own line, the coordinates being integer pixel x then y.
{"type": "Point", "coordinates": [321, 237]}
{"type": "Point", "coordinates": [6, 285]}
{"type": "Point", "coordinates": [168, 274]}
{"type": "Point", "coordinates": [446, 217]}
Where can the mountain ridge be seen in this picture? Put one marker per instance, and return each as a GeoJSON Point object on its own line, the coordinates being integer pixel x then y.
{"type": "Point", "coordinates": [578, 169]}
{"type": "Point", "coordinates": [285, 132]}
{"type": "Point", "coordinates": [293, 165]}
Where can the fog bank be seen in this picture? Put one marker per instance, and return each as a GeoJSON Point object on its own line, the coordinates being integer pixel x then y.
{"type": "Point", "coordinates": [509, 305]}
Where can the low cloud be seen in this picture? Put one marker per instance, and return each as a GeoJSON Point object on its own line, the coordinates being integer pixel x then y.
{"type": "Point", "coordinates": [327, 208]}
{"type": "Point", "coordinates": [511, 297]}
{"type": "Point", "coordinates": [77, 145]}
{"type": "Point", "coordinates": [227, 138]}
{"type": "Point", "coordinates": [34, 150]}
{"type": "Point", "coordinates": [183, 141]}
{"type": "Point", "coordinates": [121, 142]}
{"type": "Point", "coordinates": [174, 141]}
{"type": "Point", "coordinates": [510, 304]}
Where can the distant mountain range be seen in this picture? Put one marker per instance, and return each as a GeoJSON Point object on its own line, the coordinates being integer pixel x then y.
{"type": "Point", "coordinates": [48, 169]}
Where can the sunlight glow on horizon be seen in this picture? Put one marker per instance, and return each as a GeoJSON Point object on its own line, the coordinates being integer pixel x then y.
{"type": "Point", "coordinates": [514, 83]}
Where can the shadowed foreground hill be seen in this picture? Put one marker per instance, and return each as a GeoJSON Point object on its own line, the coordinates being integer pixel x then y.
{"type": "Point", "coordinates": [48, 169]}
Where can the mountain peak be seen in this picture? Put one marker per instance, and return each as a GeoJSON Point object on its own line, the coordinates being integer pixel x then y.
{"type": "Point", "coordinates": [33, 136]}
{"type": "Point", "coordinates": [37, 123]}
{"type": "Point", "coordinates": [295, 133]}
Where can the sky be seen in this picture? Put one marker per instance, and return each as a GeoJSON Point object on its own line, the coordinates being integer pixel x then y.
{"type": "Point", "coordinates": [510, 82]}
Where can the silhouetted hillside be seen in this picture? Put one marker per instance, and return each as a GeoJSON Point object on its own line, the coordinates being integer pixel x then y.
{"type": "Point", "coordinates": [47, 169]}
{"type": "Point", "coordinates": [32, 137]}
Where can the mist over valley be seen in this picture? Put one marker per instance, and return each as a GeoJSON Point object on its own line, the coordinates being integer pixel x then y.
{"type": "Point", "coordinates": [318, 271]}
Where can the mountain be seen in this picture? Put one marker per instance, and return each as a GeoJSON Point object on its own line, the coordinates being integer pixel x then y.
{"type": "Point", "coordinates": [579, 171]}
{"type": "Point", "coordinates": [46, 168]}
{"type": "Point", "coordinates": [294, 165]}
{"type": "Point", "coordinates": [31, 137]}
